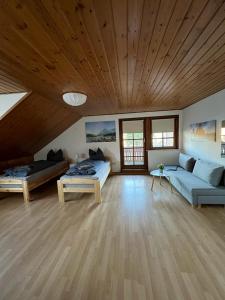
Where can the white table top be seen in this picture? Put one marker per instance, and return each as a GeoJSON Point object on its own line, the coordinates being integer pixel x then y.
{"type": "Point", "coordinates": [158, 173]}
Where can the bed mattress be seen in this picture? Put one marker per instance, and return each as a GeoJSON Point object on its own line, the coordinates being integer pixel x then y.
{"type": "Point", "coordinates": [35, 176]}
{"type": "Point", "coordinates": [101, 167]}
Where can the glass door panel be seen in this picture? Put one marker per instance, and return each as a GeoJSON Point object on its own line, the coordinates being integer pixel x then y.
{"type": "Point", "coordinates": [133, 144]}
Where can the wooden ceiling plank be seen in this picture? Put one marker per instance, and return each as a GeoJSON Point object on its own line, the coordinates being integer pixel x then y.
{"type": "Point", "coordinates": [49, 84]}
{"type": "Point", "coordinates": [76, 35]}
{"type": "Point", "coordinates": [25, 76]}
{"type": "Point", "coordinates": [218, 86]}
{"type": "Point", "coordinates": [49, 50]}
{"type": "Point", "coordinates": [189, 20]}
{"type": "Point", "coordinates": [201, 20]}
{"type": "Point", "coordinates": [11, 82]}
{"type": "Point", "coordinates": [150, 13]}
{"type": "Point", "coordinates": [135, 12]}
{"type": "Point", "coordinates": [8, 87]}
{"type": "Point", "coordinates": [45, 55]}
{"type": "Point", "coordinates": [27, 60]}
{"type": "Point", "coordinates": [90, 22]}
{"type": "Point", "coordinates": [120, 21]}
{"type": "Point", "coordinates": [206, 32]}
{"type": "Point", "coordinates": [104, 17]}
{"type": "Point", "coordinates": [202, 67]}
{"type": "Point", "coordinates": [68, 45]}
{"type": "Point", "coordinates": [201, 83]}
{"type": "Point", "coordinates": [206, 79]}
{"type": "Point", "coordinates": [174, 27]}
{"type": "Point", "coordinates": [76, 43]}
{"type": "Point", "coordinates": [164, 15]}
{"type": "Point", "coordinates": [215, 44]}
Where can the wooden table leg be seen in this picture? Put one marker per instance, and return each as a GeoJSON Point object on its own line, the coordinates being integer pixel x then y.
{"type": "Point", "coordinates": [160, 180]}
{"type": "Point", "coordinates": [152, 182]}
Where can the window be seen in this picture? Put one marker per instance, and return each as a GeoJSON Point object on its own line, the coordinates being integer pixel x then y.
{"type": "Point", "coordinates": [9, 101]}
{"type": "Point", "coordinates": [163, 132]}
{"type": "Point", "coordinates": [163, 139]}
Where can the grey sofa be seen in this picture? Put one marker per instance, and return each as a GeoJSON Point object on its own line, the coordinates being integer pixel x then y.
{"type": "Point", "coordinates": [204, 185]}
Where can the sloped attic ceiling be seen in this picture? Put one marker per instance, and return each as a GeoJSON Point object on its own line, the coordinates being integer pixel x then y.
{"type": "Point", "coordinates": [32, 124]}
{"type": "Point", "coordinates": [136, 55]}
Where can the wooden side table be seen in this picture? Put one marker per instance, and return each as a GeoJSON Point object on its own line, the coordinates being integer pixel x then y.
{"type": "Point", "coordinates": [158, 173]}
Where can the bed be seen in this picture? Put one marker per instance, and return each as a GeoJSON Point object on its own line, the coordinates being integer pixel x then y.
{"type": "Point", "coordinates": [28, 183]}
{"type": "Point", "coordinates": [85, 183]}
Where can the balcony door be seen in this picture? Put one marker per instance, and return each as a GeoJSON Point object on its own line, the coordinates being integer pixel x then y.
{"type": "Point", "coordinates": [132, 144]}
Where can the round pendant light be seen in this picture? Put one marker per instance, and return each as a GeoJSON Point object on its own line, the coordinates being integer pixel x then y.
{"type": "Point", "coordinates": [74, 99]}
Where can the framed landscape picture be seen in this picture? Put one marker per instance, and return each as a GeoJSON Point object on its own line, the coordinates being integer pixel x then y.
{"type": "Point", "coordinates": [204, 131]}
{"type": "Point", "coordinates": [104, 131]}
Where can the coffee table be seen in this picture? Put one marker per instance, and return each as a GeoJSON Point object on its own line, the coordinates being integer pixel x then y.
{"type": "Point", "coordinates": [158, 173]}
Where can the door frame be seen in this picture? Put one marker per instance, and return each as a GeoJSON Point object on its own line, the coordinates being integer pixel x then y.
{"type": "Point", "coordinates": [140, 167]}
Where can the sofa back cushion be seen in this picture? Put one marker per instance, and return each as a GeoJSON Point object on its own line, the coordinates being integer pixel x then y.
{"type": "Point", "coordinates": [209, 172]}
{"type": "Point", "coordinates": [223, 179]}
{"type": "Point", "coordinates": [186, 162]}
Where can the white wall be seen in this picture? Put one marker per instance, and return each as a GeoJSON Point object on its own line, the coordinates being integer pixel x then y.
{"type": "Point", "coordinates": [210, 108]}
{"type": "Point", "coordinates": [73, 141]}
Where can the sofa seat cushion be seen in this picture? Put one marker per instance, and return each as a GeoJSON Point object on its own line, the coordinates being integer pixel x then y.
{"type": "Point", "coordinates": [209, 172]}
{"type": "Point", "coordinates": [190, 182]}
{"type": "Point", "coordinates": [192, 187]}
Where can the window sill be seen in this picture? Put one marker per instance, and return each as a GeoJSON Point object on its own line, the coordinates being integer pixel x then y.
{"type": "Point", "coordinates": [164, 148]}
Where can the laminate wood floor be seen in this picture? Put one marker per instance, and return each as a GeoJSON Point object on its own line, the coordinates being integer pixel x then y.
{"type": "Point", "coordinates": [137, 244]}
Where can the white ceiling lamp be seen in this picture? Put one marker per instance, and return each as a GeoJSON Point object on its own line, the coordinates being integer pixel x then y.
{"type": "Point", "coordinates": [74, 99]}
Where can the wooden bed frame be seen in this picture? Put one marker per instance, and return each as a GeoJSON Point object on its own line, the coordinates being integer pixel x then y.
{"type": "Point", "coordinates": [29, 186]}
{"type": "Point", "coordinates": [96, 189]}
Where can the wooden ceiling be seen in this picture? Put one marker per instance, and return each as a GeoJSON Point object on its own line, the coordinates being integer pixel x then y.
{"type": "Point", "coordinates": [30, 127]}
{"type": "Point", "coordinates": [126, 55]}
